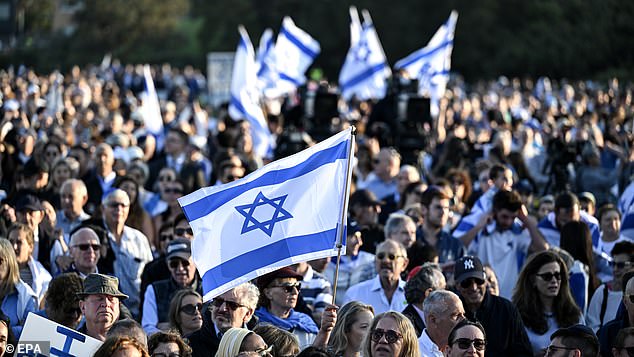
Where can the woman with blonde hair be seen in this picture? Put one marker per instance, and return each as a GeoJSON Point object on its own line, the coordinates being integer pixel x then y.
{"type": "Point", "coordinates": [353, 323]}
{"type": "Point", "coordinates": [392, 335]}
{"type": "Point", "coordinates": [17, 298]}
{"type": "Point", "coordinates": [185, 315]}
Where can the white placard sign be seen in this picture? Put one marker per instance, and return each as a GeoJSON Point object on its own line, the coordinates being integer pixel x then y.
{"type": "Point", "coordinates": [63, 341]}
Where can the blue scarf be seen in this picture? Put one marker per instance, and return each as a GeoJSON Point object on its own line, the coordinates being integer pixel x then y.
{"type": "Point", "coordinates": [296, 320]}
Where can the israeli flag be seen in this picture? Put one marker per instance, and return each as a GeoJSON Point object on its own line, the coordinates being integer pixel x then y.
{"type": "Point", "coordinates": [431, 64]}
{"type": "Point", "coordinates": [268, 76]}
{"type": "Point", "coordinates": [483, 205]}
{"type": "Point", "coordinates": [291, 210]}
{"type": "Point", "coordinates": [626, 207]}
{"type": "Point", "coordinates": [245, 99]}
{"type": "Point", "coordinates": [295, 51]}
{"type": "Point", "coordinates": [365, 70]}
{"type": "Point", "coordinates": [150, 108]}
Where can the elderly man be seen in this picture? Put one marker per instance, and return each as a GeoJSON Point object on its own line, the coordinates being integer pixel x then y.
{"type": "Point", "coordinates": [85, 251]}
{"type": "Point", "coordinates": [383, 181]}
{"type": "Point", "coordinates": [498, 315]}
{"type": "Point", "coordinates": [401, 228]}
{"type": "Point", "coordinates": [156, 302]}
{"type": "Point", "coordinates": [234, 308]}
{"type": "Point", "coordinates": [73, 197]}
{"type": "Point", "coordinates": [428, 279]}
{"type": "Point", "coordinates": [443, 310]}
{"type": "Point", "coordinates": [100, 304]}
{"type": "Point", "coordinates": [131, 248]}
{"type": "Point", "coordinates": [386, 291]}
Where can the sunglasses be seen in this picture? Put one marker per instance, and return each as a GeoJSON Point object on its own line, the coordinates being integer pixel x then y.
{"type": "Point", "coordinates": [116, 204]}
{"type": "Point", "coordinates": [289, 288]}
{"type": "Point", "coordinates": [262, 352]}
{"type": "Point", "coordinates": [161, 354]}
{"type": "Point", "coordinates": [550, 276]}
{"type": "Point", "coordinates": [467, 283]}
{"type": "Point", "coordinates": [553, 349]}
{"type": "Point", "coordinates": [166, 178]}
{"type": "Point", "coordinates": [164, 237]}
{"type": "Point", "coordinates": [173, 190]}
{"type": "Point", "coordinates": [231, 305]}
{"type": "Point", "coordinates": [84, 247]}
{"type": "Point", "coordinates": [620, 265]}
{"type": "Point", "coordinates": [174, 263]}
{"type": "Point", "coordinates": [191, 309]}
{"type": "Point", "coordinates": [465, 343]}
{"type": "Point", "coordinates": [183, 231]}
{"type": "Point", "coordinates": [390, 256]}
{"type": "Point", "coordinates": [390, 336]}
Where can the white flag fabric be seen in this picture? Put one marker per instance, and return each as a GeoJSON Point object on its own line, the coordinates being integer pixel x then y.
{"type": "Point", "coordinates": [432, 63]}
{"type": "Point", "coordinates": [287, 212]}
{"type": "Point", "coordinates": [295, 51]}
{"type": "Point", "coordinates": [150, 109]}
{"type": "Point", "coordinates": [365, 70]}
{"type": "Point", "coordinates": [268, 77]}
{"type": "Point", "coordinates": [244, 102]}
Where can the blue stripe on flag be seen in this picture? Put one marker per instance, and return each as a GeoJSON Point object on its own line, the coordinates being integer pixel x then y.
{"type": "Point", "coordinates": [288, 78]}
{"type": "Point", "coordinates": [294, 40]}
{"type": "Point", "coordinates": [210, 203]}
{"type": "Point", "coordinates": [238, 104]}
{"type": "Point", "coordinates": [628, 222]}
{"type": "Point", "coordinates": [363, 76]}
{"type": "Point", "coordinates": [267, 255]}
{"type": "Point", "coordinates": [424, 54]}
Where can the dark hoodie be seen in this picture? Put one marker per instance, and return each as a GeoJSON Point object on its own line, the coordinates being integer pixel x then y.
{"type": "Point", "coordinates": [205, 342]}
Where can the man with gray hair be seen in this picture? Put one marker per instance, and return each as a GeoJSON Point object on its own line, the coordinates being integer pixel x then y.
{"type": "Point", "coordinates": [442, 310]}
{"type": "Point", "coordinates": [427, 279]}
{"type": "Point", "coordinates": [401, 228]}
{"type": "Point", "coordinates": [233, 308]}
{"type": "Point", "coordinates": [85, 251]}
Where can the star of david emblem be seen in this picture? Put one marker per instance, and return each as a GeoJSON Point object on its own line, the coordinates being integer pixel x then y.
{"type": "Point", "coordinates": [253, 213]}
{"type": "Point", "coordinates": [468, 264]}
{"type": "Point", "coordinates": [363, 51]}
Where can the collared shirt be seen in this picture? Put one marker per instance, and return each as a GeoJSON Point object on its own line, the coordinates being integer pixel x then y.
{"type": "Point", "coordinates": [427, 347]}
{"type": "Point", "coordinates": [420, 313]}
{"type": "Point", "coordinates": [175, 162]}
{"type": "Point", "coordinates": [131, 255]}
{"type": "Point", "coordinates": [449, 248]}
{"type": "Point", "coordinates": [382, 188]}
{"type": "Point", "coordinates": [371, 292]}
{"type": "Point", "coordinates": [106, 183]}
{"type": "Point", "coordinates": [67, 225]}
{"type": "Point", "coordinates": [316, 290]}
{"type": "Point", "coordinates": [350, 272]}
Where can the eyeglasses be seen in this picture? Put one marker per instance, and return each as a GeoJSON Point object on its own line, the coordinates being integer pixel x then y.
{"type": "Point", "coordinates": [467, 283]}
{"type": "Point", "coordinates": [84, 247]}
{"type": "Point", "coordinates": [465, 343]}
{"type": "Point", "coordinates": [390, 256]}
{"type": "Point", "coordinates": [116, 204]}
{"type": "Point", "coordinates": [161, 354]}
{"type": "Point", "coordinates": [553, 349]}
{"type": "Point", "coordinates": [232, 305]}
{"type": "Point", "coordinates": [262, 352]}
{"type": "Point", "coordinates": [183, 231]}
{"type": "Point", "coordinates": [166, 178]}
{"type": "Point", "coordinates": [289, 287]}
{"type": "Point", "coordinates": [620, 265]}
{"type": "Point", "coordinates": [174, 263]}
{"type": "Point", "coordinates": [192, 309]}
{"type": "Point", "coordinates": [550, 276]}
{"type": "Point", "coordinates": [164, 237]}
{"type": "Point", "coordinates": [390, 336]}
{"type": "Point", "coordinates": [630, 350]}
{"type": "Point", "coordinates": [173, 190]}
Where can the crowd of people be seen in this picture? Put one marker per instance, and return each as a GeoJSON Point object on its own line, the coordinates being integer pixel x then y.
{"type": "Point", "coordinates": [507, 230]}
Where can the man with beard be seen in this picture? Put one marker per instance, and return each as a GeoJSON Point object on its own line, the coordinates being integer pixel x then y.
{"type": "Point", "coordinates": [234, 308]}
{"type": "Point", "coordinates": [499, 316]}
{"type": "Point", "coordinates": [385, 292]}
{"type": "Point", "coordinates": [99, 302]}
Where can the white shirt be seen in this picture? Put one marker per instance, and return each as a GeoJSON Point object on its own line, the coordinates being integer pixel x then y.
{"type": "Point", "coordinates": [427, 347]}
{"type": "Point", "coordinates": [593, 316]}
{"type": "Point", "coordinates": [371, 292]}
{"type": "Point", "coordinates": [606, 247]}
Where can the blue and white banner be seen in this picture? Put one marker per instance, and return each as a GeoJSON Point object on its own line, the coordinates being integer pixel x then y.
{"type": "Point", "coordinates": [150, 108]}
{"type": "Point", "coordinates": [364, 73]}
{"type": "Point", "coordinates": [295, 51]}
{"type": "Point", "coordinates": [432, 63]}
{"type": "Point", "coordinates": [268, 77]}
{"type": "Point", "coordinates": [245, 97]}
{"type": "Point", "coordinates": [289, 211]}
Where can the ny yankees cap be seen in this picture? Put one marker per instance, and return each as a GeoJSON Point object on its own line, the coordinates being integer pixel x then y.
{"type": "Point", "coordinates": [468, 267]}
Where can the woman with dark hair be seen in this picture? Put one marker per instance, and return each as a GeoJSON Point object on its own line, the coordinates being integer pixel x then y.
{"type": "Point", "coordinates": [542, 296]}
{"type": "Point", "coordinates": [577, 241]}
{"type": "Point", "coordinates": [121, 346]}
{"type": "Point", "coordinates": [138, 218]}
{"type": "Point", "coordinates": [467, 338]}
{"type": "Point", "coordinates": [461, 185]}
{"type": "Point", "coordinates": [391, 334]}
{"type": "Point", "coordinates": [168, 344]}
{"type": "Point", "coordinates": [353, 323]}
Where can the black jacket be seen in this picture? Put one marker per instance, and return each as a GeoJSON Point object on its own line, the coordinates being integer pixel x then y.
{"type": "Point", "coordinates": [607, 333]}
{"type": "Point", "coordinates": [205, 342]}
{"type": "Point", "coordinates": [506, 334]}
{"type": "Point", "coordinates": [413, 315]}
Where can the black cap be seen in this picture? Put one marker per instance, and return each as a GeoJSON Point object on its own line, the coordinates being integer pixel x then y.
{"type": "Point", "coordinates": [28, 202]}
{"type": "Point", "coordinates": [364, 198]}
{"type": "Point", "coordinates": [179, 248]}
{"type": "Point", "coordinates": [577, 330]}
{"type": "Point", "coordinates": [468, 267]}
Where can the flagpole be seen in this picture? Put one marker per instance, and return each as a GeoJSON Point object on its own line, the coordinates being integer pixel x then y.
{"type": "Point", "coordinates": [353, 134]}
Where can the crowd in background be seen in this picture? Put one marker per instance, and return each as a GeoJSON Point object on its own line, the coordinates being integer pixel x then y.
{"type": "Point", "coordinates": [510, 211]}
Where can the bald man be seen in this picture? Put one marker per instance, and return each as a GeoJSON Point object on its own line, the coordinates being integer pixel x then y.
{"type": "Point", "coordinates": [85, 250]}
